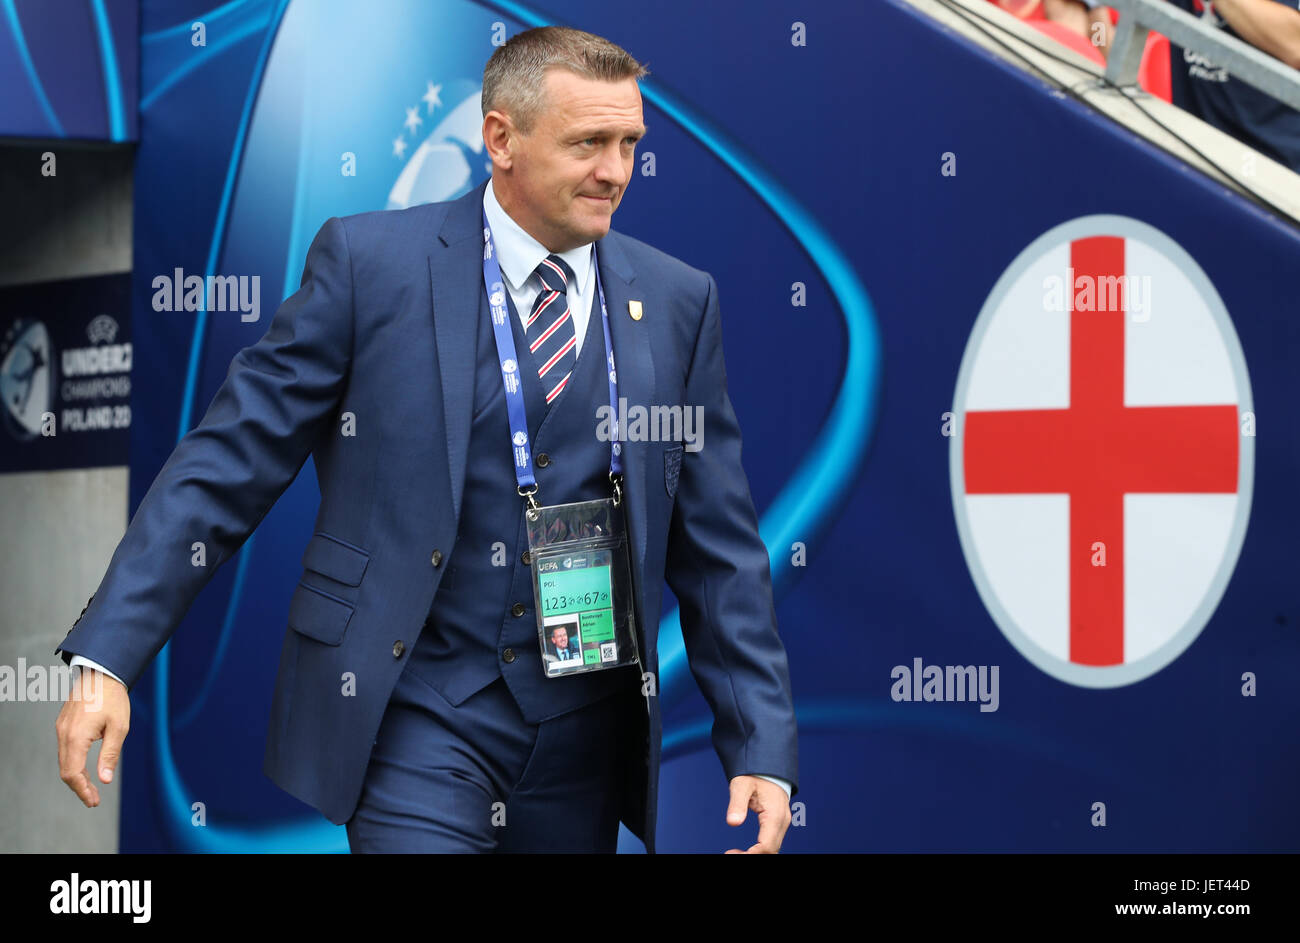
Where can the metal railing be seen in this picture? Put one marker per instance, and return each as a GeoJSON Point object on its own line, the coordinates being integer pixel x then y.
{"type": "Point", "coordinates": [1242, 60]}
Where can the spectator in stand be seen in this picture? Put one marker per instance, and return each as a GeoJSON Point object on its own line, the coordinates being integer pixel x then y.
{"type": "Point", "coordinates": [1243, 111]}
{"type": "Point", "coordinates": [1089, 18]}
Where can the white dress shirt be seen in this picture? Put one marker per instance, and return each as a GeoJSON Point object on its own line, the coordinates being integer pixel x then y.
{"type": "Point", "coordinates": [79, 661]}
{"type": "Point", "coordinates": [519, 254]}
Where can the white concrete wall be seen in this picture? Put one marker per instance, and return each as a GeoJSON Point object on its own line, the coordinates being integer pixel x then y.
{"type": "Point", "coordinates": [58, 529]}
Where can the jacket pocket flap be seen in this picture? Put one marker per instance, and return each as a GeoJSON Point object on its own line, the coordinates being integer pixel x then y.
{"type": "Point", "coordinates": [335, 559]}
{"type": "Point", "coordinates": [316, 615]}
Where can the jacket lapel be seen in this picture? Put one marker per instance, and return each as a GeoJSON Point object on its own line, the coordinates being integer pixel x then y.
{"type": "Point", "coordinates": [635, 373]}
{"type": "Point", "coordinates": [456, 280]}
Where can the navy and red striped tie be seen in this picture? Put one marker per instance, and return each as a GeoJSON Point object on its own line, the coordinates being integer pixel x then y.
{"type": "Point", "coordinates": [551, 336]}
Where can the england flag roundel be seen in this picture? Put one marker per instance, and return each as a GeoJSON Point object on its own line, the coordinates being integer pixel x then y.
{"type": "Point", "coordinates": [1102, 454]}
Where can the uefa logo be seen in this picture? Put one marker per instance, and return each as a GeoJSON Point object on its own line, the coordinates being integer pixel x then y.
{"type": "Point", "coordinates": [27, 377]}
{"type": "Point", "coordinates": [102, 329]}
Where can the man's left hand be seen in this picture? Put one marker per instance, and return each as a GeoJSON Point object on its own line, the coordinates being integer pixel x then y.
{"type": "Point", "coordinates": [771, 804]}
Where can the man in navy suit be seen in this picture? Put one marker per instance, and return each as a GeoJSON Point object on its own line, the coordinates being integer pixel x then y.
{"type": "Point", "coordinates": [454, 738]}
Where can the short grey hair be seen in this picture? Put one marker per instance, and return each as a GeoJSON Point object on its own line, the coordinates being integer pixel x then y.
{"type": "Point", "coordinates": [513, 79]}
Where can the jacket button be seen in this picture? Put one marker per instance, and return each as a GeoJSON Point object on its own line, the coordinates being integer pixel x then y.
{"type": "Point", "coordinates": [526, 558]}
{"type": "Point", "coordinates": [508, 655]}
{"type": "Point", "coordinates": [543, 460]}
{"type": "Point", "coordinates": [398, 648]}
{"type": "Point", "coordinates": [436, 559]}
{"type": "Point", "coordinates": [517, 610]}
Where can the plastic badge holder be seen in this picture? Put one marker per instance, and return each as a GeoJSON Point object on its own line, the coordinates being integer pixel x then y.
{"type": "Point", "coordinates": [582, 587]}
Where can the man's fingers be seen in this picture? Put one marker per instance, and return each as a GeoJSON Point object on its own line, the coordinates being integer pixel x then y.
{"type": "Point", "coordinates": [85, 789]}
{"type": "Point", "coordinates": [111, 751]}
{"type": "Point", "coordinates": [769, 804]}
{"type": "Point", "coordinates": [770, 830]}
{"type": "Point", "coordinates": [101, 708]}
{"type": "Point", "coordinates": [747, 792]}
{"type": "Point", "coordinates": [741, 790]}
{"type": "Point", "coordinates": [72, 768]}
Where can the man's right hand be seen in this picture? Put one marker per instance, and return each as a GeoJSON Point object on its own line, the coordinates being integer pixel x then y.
{"type": "Point", "coordinates": [97, 707]}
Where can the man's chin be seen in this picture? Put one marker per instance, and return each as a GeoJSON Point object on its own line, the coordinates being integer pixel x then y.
{"type": "Point", "coordinates": [591, 227]}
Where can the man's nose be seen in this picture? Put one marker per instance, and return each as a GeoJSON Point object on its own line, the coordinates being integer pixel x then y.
{"type": "Point", "coordinates": [611, 169]}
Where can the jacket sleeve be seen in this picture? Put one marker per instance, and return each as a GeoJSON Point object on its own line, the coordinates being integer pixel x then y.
{"type": "Point", "coordinates": [717, 567]}
{"type": "Point", "coordinates": [278, 397]}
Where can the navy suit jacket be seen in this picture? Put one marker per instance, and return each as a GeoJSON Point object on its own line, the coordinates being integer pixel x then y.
{"type": "Point", "coordinates": [382, 327]}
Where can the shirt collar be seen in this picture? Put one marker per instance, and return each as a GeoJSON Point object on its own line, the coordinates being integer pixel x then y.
{"type": "Point", "coordinates": [518, 253]}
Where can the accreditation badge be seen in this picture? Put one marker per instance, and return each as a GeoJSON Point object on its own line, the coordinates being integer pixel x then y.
{"type": "Point", "coordinates": [582, 586]}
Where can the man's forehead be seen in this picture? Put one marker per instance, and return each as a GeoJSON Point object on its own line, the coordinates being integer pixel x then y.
{"type": "Point", "coordinates": [578, 103]}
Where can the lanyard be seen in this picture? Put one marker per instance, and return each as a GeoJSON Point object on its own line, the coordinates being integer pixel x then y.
{"type": "Point", "coordinates": [510, 376]}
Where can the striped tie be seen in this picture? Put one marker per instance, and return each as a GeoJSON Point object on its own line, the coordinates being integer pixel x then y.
{"type": "Point", "coordinates": [549, 329]}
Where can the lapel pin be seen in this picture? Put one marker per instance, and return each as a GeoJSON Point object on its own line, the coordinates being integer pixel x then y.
{"type": "Point", "coordinates": [634, 309]}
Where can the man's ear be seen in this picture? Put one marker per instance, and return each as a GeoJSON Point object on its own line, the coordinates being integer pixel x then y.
{"type": "Point", "coordinates": [499, 134]}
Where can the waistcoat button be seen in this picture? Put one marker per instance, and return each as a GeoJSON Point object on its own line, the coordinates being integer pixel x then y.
{"type": "Point", "coordinates": [517, 610]}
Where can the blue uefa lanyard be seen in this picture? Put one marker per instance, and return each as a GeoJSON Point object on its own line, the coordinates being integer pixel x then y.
{"type": "Point", "coordinates": [510, 376]}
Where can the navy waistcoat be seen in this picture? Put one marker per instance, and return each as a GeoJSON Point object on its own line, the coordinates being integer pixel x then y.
{"type": "Point", "coordinates": [473, 635]}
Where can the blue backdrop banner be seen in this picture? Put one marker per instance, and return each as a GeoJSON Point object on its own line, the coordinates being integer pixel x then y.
{"type": "Point", "coordinates": [69, 69]}
{"type": "Point", "coordinates": [1035, 570]}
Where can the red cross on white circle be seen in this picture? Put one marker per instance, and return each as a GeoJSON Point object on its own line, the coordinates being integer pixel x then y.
{"type": "Point", "coordinates": [1087, 458]}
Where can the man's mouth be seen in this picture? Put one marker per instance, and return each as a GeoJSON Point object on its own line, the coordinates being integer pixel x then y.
{"type": "Point", "coordinates": [598, 199]}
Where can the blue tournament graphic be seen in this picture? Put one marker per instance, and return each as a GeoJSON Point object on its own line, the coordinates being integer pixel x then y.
{"type": "Point", "coordinates": [1022, 451]}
